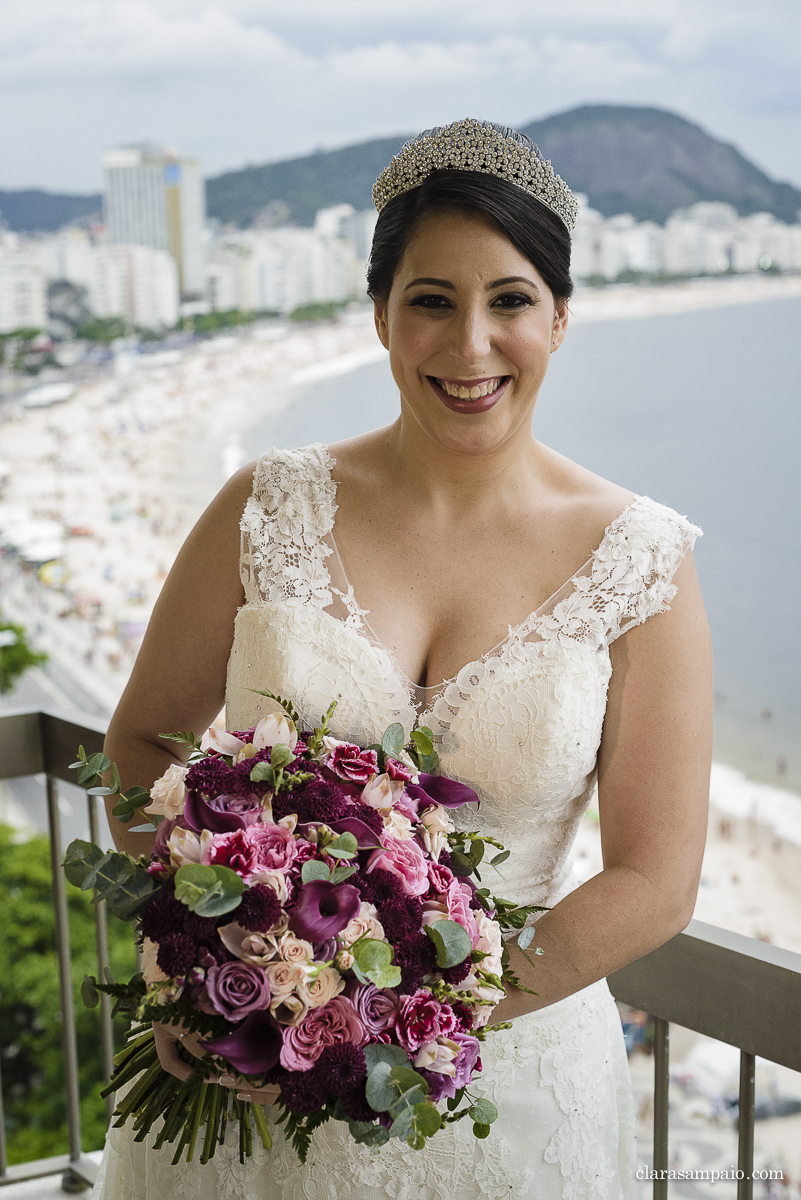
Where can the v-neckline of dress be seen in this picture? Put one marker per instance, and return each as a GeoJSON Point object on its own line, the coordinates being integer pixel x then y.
{"type": "Point", "coordinates": [415, 689]}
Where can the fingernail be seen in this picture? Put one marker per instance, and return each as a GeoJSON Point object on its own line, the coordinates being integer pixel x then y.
{"type": "Point", "coordinates": [228, 1080]}
{"type": "Point", "coordinates": [244, 1095]}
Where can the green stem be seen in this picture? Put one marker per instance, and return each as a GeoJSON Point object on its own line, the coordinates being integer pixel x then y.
{"type": "Point", "coordinates": [261, 1126]}
{"type": "Point", "coordinates": [198, 1111]}
{"type": "Point", "coordinates": [210, 1141]}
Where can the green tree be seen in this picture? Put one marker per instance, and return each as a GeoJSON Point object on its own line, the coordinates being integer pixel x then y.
{"type": "Point", "coordinates": [16, 655]}
{"type": "Point", "coordinates": [30, 1014]}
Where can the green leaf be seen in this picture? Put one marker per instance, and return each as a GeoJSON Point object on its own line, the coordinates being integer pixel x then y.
{"type": "Point", "coordinates": [126, 900]}
{"type": "Point", "coordinates": [423, 740]}
{"type": "Point", "coordinates": [208, 891]}
{"type": "Point", "coordinates": [476, 852]}
{"type": "Point", "coordinates": [428, 762]}
{"type": "Point", "coordinates": [407, 1078]}
{"type": "Point", "coordinates": [185, 737]}
{"type": "Point", "coordinates": [81, 857]}
{"type": "Point", "coordinates": [123, 811]}
{"type": "Point", "coordinates": [481, 1131]}
{"type": "Point", "coordinates": [136, 796]}
{"type": "Point", "coordinates": [368, 1134]}
{"type": "Point", "coordinates": [483, 1112]}
{"type": "Point", "coordinates": [526, 937]}
{"type": "Point", "coordinates": [403, 1122]}
{"type": "Point", "coordinates": [455, 1101]}
{"type": "Point", "coordinates": [374, 962]}
{"type": "Point", "coordinates": [89, 993]}
{"type": "Point", "coordinates": [393, 739]}
{"type": "Point", "coordinates": [345, 846]}
{"type": "Point", "coordinates": [314, 869]}
{"type": "Point", "coordinates": [263, 773]}
{"type": "Point", "coordinates": [500, 858]}
{"type": "Point", "coordinates": [452, 942]}
{"type": "Point", "coordinates": [342, 872]}
{"type": "Point", "coordinates": [101, 791]}
{"type": "Point", "coordinates": [426, 1118]}
{"type": "Point", "coordinates": [394, 1056]}
{"type": "Point", "coordinates": [460, 863]}
{"type": "Point", "coordinates": [143, 829]}
{"type": "Point", "coordinates": [380, 1089]}
{"type": "Point", "coordinates": [109, 872]}
{"type": "Point", "coordinates": [280, 756]}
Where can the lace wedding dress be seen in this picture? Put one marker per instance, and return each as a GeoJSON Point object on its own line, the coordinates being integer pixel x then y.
{"type": "Point", "coordinates": [522, 726]}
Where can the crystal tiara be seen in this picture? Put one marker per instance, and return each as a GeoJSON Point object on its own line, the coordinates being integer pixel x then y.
{"type": "Point", "coordinates": [472, 145]}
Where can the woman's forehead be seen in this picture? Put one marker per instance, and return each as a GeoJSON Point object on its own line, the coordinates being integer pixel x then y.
{"type": "Point", "coordinates": [466, 241]}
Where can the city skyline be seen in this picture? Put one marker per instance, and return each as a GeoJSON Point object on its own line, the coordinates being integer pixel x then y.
{"type": "Point", "coordinates": [251, 81]}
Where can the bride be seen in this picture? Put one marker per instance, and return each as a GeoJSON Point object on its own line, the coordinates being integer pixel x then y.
{"type": "Point", "coordinates": [546, 624]}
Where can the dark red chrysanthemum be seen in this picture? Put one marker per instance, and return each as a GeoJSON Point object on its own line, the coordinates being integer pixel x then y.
{"type": "Point", "coordinates": [444, 859]}
{"type": "Point", "coordinates": [370, 816]}
{"type": "Point", "coordinates": [379, 886]}
{"type": "Point", "coordinates": [303, 1091]}
{"type": "Point", "coordinates": [164, 915]}
{"type": "Point", "coordinates": [259, 908]}
{"type": "Point", "coordinates": [416, 957]}
{"type": "Point", "coordinates": [176, 954]}
{"type": "Point", "coordinates": [341, 1067]}
{"type": "Point", "coordinates": [200, 929]}
{"type": "Point", "coordinates": [322, 801]}
{"type": "Point", "coordinates": [354, 1102]}
{"type": "Point", "coordinates": [463, 1015]}
{"type": "Point", "coordinates": [401, 917]}
{"type": "Point", "coordinates": [456, 974]}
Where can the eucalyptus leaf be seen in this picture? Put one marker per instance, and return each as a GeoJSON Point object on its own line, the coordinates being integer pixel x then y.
{"type": "Point", "coordinates": [403, 1122]}
{"type": "Point", "coordinates": [422, 740]}
{"type": "Point", "coordinates": [392, 741]}
{"type": "Point", "coordinates": [452, 942]}
{"type": "Point", "coordinates": [460, 864]}
{"type": "Point", "coordinates": [101, 791]}
{"type": "Point", "coordinates": [342, 872]}
{"type": "Point", "coordinates": [476, 852]}
{"type": "Point", "coordinates": [126, 900]}
{"type": "Point", "coordinates": [314, 869]}
{"type": "Point", "coordinates": [280, 756]}
{"type": "Point", "coordinates": [380, 1089]}
{"type": "Point", "coordinates": [426, 1118]}
{"type": "Point", "coordinates": [89, 993]}
{"type": "Point", "coordinates": [263, 773]}
{"type": "Point", "coordinates": [345, 846]}
{"type": "Point", "coordinates": [407, 1078]}
{"type": "Point", "coordinates": [481, 1131]}
{"type": "Point", "coordinates": [526, 937]}
{"type": "Point", "coordinates": [142, 829]}
{"type": "Point", "coordinates": [483, 1112]}
{"type": "Point", "coordinates": [81, 857]}
{"type": "Point", "coordinates": [394, 1056]}
{"type": "Point", "coordinates": [500, 858]}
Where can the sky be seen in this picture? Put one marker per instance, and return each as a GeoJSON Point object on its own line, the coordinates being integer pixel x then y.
{"type": "Point", "coordinates": [252, 81]}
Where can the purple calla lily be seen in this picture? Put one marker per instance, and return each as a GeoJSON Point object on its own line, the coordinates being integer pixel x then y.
{"type": "Point", "coordinates": [199, 815]}
{"type": "Point", "coordinates": [366, 839]}
{"type": "Point", "coordinates": [438, 789]}
{"type": "Point", "coordinates": [323, 909]}
{"type": "Point", "coordinates": [253, 1048]}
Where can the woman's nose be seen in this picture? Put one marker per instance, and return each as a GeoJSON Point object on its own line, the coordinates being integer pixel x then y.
{"type": "Point", "coordinates": [470, 338]}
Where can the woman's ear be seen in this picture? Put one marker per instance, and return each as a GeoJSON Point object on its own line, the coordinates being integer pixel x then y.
{"type": "Point", "coordinates": [381, 327]}
{"type": "Point", "coordinates": [559, 324]}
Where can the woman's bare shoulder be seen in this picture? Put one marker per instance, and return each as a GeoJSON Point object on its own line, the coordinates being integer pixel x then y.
{"type": "Point", "coordinates": [587, 503]}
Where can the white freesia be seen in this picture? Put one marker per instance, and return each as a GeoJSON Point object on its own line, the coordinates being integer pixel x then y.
{"type": "Point", "coordinates": [185, 846]}
{"type": "Point", "coordinates": [433, 830]}
{"type": "Point", "coordinates": [481, 990]}
{"type": "Point", "coordinates": [274, 729]}
{"type": "Point", "coordinates": [438, 1056]}
{"type": "Point", "coordinates": [221, 740]}
{"type": "Point", "coordinates": [397, 825]}
{"type": "Point", "coordinates": [168, 793]}
{"type": "Point", "coordinates": [382, 792]}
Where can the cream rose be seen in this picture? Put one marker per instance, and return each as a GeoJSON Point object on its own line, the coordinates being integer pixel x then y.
{"type": "Point", "coordinates": [319, 991]}
{"type": "Point", "coordinates": [295, 950]}
{"type": "Point", "coordinates": [490, 943]}
{"type": "Point", "coordinates": [257, 948]}
{"type": "Point", "coordinates": [366, 923]}
{"type": "Point", "coordinates": [397, 825]}
{"type": "Point", "coordinates": [284, 978]}
{"type": "Point", "coordinates": [168, 793]}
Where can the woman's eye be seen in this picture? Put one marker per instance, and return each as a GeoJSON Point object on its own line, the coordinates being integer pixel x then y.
{"type": "Point", "coordinates": [430, 301]}
{"type": "Point", "coordinates": [512, 300]}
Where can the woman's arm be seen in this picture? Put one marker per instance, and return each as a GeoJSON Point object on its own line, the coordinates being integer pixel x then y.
{"type": "Point", "coordinates": [653, 794]}
{"type": "Point", "coordinates": [178, 680]}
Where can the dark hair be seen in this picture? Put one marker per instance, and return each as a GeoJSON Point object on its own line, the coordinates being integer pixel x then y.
{"type": "Point", "coordinates": [532, 228]}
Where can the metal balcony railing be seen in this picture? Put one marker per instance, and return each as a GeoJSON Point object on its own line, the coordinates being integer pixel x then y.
{"type": "Point", "coordinates": [721, 984]}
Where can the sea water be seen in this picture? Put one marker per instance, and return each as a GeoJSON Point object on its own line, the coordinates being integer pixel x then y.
{"type": "Point", "coordinates": [701, 411]}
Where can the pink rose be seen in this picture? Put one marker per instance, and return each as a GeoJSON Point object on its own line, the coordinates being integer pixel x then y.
{"type": "Point", "coordinates": [274, 847]}
{"type": "Point", "coordinates": [234, 850]}
{"type": "Point", "coordinates": [404, 859]}
{"type": "Point", "coordinates": [334, 1023]}
{"type": "Point", "coordinates": [421, 1018]}
{"type": "Point", "coordinates": [441, 878]}
{"type": "Point", "coordinates": [349, 761]}
{"type": "Point", "coordinates": [457, 900]}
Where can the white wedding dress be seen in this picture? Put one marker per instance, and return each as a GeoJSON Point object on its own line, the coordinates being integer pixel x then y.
{"type": "Point", "coordinates": [522, 726]}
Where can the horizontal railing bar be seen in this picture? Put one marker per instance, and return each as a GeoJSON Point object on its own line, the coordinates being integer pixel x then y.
{"type": "Point", "coordinates": [46, 740]}
{"type": "Point", "coordinates": [727, 986]}
{"type": "Point", "coordinates": [21, 751]}
{"type": "Point", "coordinates": [85, 1168]}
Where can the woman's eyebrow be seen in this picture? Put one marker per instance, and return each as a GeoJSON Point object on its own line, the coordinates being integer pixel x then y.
{"type": "Point", "coordinates": [512, 279]}
{"type": "Point", "coordinates": [432, 283]}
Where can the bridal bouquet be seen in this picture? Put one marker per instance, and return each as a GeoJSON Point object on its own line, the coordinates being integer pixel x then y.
{"type": "Point", "coordinates": [308, 910]}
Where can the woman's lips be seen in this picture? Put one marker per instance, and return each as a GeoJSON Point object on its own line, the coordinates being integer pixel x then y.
{"type": "Point", "coordinates": [479, 405]}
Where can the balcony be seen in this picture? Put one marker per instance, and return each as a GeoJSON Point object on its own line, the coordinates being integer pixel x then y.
{"type": "Point", "coordinates": [736, 989]}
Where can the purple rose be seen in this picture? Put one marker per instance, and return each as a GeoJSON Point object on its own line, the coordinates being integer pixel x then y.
{"type": "Point", "coordinates": [349, 761]}
{"type": "Point", "coordinates": [439, 1085]}
{"type": "Point", "coordinates": [376, 1009]}
{"type": "Point", "coordinates": [237, 989]}
{"type": "Point", "coordinates": [330, 1025]}
{"type": "Point", "coordinates": [253, 1048]}
{"type": "Point", "coordinates": [323, 909]}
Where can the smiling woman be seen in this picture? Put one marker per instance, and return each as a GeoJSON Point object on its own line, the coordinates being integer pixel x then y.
{"type": "Point", "coordinates": [543, 623]}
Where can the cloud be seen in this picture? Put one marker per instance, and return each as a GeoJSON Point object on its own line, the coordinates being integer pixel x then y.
{"type": "Point", "coordinates": [250, 80]}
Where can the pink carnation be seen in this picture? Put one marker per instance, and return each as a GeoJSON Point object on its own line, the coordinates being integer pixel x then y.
{"type": "Point", "coordinates": [404, 859]}
{"type": "Point", "coordinates": [349, 761]}
{"type": "Point", "coordinates": [274, 846]}
{"type": "Point", "coordinates": [441, 878]}
{"type": "Point", "coordinates": [457, 900]}
{"type": "Point", "coordinates": [398, 770]}
{"type": "Point", "coordinates": [330, 1025]}
{"type": "Point", "coordinates": [234, 850]}
{"type": "Point", "coordinates": [421, 1018]}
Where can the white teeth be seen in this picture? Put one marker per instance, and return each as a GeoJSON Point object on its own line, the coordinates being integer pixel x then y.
{"type": "Point", "coordinates": [459, 392]}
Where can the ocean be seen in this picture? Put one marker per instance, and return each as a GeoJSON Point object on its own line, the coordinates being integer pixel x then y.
{"type": "Point", "coordinates": [701, 411]}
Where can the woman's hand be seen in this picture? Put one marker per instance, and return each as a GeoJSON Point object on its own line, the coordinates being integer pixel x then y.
{"type": "Point", "coordinates": [169, 1037]}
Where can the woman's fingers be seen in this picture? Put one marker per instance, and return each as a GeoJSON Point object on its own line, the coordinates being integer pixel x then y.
{"type": "Point", "coordinates": [266, 1095]}
{"type": "Point", "coordinates": [167, 1037]}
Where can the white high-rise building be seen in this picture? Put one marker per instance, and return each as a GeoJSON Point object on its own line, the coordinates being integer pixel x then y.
{"type": "Point", "coordinates": [23, 288]}
{"type": "Point", "coordinates": [153, 198]}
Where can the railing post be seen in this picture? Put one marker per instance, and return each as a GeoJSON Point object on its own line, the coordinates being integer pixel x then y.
{"type": "Point", "coordinates": [101, 942]}
{"type": "Point", "coordinates": [745, 1127]}
{"type": "Point", "coordinates": [68, 1038]}
{"type": "Point", "coordinates": [2, 1130]}
{"type": "Point", "coordinates": [661, 1106]}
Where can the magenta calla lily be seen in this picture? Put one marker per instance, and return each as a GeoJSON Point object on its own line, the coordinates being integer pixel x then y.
{"type": "Point", "coordinates": [366, 839]}
{"type": "Point", "coordinates": [253, 1048]}
{"type": "Point", "coordinates": [437, 789]}
{"type": "Point", "coordinates": [323, 909]}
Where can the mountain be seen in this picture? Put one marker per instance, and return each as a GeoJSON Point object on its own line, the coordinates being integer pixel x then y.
{"type": "Point", "coordinates": [33, 211]}
{"type": "Point", "coordinates": [644, 161]}
{"type": "Point", "coordinates": [647, 162]}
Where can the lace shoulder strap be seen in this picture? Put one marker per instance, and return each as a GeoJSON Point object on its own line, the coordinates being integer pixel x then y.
{"type": "Point", "coordinates": [283, 526]}
{"type": "Point", "coordinates": [628, 578]}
